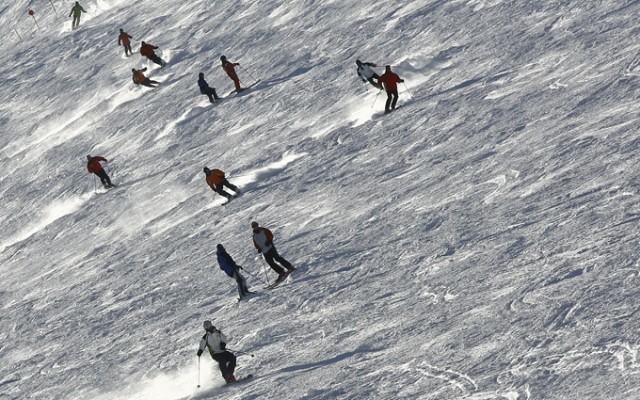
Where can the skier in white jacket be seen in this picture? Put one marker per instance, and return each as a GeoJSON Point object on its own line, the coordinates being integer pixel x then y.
{"type": "Point", "coordinates": [367, 74]}
{"type": "Point", "coordinates": [216, 342]}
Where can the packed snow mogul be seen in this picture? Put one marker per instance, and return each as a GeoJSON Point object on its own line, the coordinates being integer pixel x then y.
{"type": "Point", "coordinates": [77, 11]}
{"type": "Point", "coordinates": [124, 39]}
{"type": "Point", "coordinates": [229, 266]}
{"type": "Point", "coordinates": [148, 50]}
{"type": "Point", "coordinates": [215, 341]}
{"type": "Point", "coordinates": [217, 181]}
{"type": "Point", "coordinates": [205, 89]}
{"type": "Point", "coordinates": [390, 81]}
{"type": "Point", "coordinates": [366, 73]}
{"type": "Point", "coordinates": [139, 78]}
{"type": "Point", "coordinates": [94, 167]}
{"type": "Point", "coordinates": [263, 241]}
{"type": "Point", "coordinates": [230, 69]}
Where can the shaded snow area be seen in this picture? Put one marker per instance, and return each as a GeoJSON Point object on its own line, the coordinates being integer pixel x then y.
{"type": "Point", "coordinates": [478, 243]}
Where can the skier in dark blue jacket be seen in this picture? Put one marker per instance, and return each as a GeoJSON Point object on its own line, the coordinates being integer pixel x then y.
{"type": "Point", "coordinates": [233, 270]}
{"type": "Point", "coordinates": [206, 89]}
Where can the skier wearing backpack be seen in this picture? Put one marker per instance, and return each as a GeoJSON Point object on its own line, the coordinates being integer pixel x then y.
{"type": "Point", "coordinates": [205, 89]}
{"type": "Point", "coordinates": [217, 181]}
{"type": "Point", "coordinates": [77, 11]}
{"type": "Point", "coordinates": [124, 39]}
{"type": "Point", "coordinates": [263, 242]}
{"type": "Point", "coordinates": [229, 266]}
{"type": "Point", "coordinates": [216, 342]}
{"type": "Point", "coordinates": [390, 81]}
{"type": "Point", "coordinates": [230, 69]}
{"type": "Point", "coordinates": [147, 50]}
{"type": "Point", "coordinates": [367, 74]}
{"type": "Point", "coordinates": [94, 167]}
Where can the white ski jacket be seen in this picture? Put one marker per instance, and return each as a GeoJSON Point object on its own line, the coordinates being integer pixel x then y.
{"type": "Point", "coordinates": [211, 341]}
{"type": "Point", "coordinates": [365, 71]}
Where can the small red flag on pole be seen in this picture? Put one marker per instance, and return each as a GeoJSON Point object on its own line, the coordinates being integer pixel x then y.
{"type": "Point", "coordinates": [33, 15]}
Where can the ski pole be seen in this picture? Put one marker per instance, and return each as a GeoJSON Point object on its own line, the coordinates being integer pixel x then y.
{"type": "Point", "coordinates": [198, 371]}
{"type": "Point", "coordinates": [265, 274]}
{"type": "Point", "coordinates": [247, 72]}
{"type": "Point", "coordinates": [241, 352]}
{"type": "Point", "coordinates": [16, 31]}
{"type": "Point", "coordinates": [365, 86]}
{"type": "Point", "coordinates": [374, 100]}
{"type": "Point", "coordinates": [251, 274]}
{"type": "Point", "coordinates": [95, 190]}
{"type": "Point", "coordinates": [405, 86]}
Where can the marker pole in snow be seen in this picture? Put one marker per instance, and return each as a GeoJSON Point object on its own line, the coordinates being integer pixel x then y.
{"type": "Point", "coordinates": [32, 13]}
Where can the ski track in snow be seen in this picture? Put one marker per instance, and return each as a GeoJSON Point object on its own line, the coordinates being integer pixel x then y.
{"type": "Point", "coordinates": [478, 243]}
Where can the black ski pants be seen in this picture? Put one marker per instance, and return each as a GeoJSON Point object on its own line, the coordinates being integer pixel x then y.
{"type": "Point", "coordinates": [374, 83]}
{"type": "Point", "coordinates": [227, 363]}
{"type": "Point", "coordinates": [220, 188]}
{"type": "Point", "coordinates": [156, 60]}
{"type": "Point", "coordinates": [211, 93]}
{"type": "Point", "coordinates": [272, 256]}
{"type": "Point", "coordinates": [127, 49]}
{"type": "Point", "coordinates": [104, 178]}
{"type": "Point", "coordinates": [392, 99]}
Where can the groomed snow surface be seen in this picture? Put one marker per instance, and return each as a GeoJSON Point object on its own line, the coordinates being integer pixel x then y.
{"type": "Point", "coordinates": [479, 243]}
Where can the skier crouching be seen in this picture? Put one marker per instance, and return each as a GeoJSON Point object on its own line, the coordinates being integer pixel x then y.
{"type": "Point", "coordinates": [216, 342]}
{"type": "Point", "coordinates": [229, 266]}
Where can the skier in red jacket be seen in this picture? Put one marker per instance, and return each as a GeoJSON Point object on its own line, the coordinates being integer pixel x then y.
{"type": "Point", "coordinates": [94, 167]}
{"type": "Point", "coordinates": [124, 39]}
{"type": "Point", "coordinates": [229, 68]}
{"type": "Point", "coordinates": [390, 82]}
{"type": "Point", "coordinates": [147, 50]}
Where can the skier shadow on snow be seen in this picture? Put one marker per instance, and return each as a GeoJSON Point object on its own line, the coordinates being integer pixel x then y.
{"type": "Point", "coordinates": [296, 72]}
{"type": "Point", "coordinates": [324, 363]}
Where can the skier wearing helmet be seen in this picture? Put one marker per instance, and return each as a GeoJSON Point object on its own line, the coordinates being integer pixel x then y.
{"type": "Point", "coordinates": [229, 68]}
{"type": "Point", "coordinates": [216, 342]}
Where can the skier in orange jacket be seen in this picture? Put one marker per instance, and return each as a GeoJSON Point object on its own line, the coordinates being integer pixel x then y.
{"type": "Point", "coordinates": [124, 39]}
{"type": "Point", "coordinates": [139, 78]}
{"type": "Point", "coordinates": [390, 81]}
{"type": "Point", "coordinates": [230, 69]}
{"type": "Point", "coordinates": [217, 181]}
{"type": "Point", "coordinates": [94, 167]}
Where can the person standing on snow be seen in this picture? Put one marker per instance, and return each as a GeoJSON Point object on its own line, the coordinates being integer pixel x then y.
{"type": "Point", "coordinates": [217, 181]}
{"type": "Point", "coordinates": [77, 11]}
{"type": "Point", "coordinates": [390, 81]}
{"type": "Point", "coordinates": [263, 241]}
{"type": "Point", "coordinates": [139, 78]}
{"type": "Point", "coordinates": [232, 269]}
{"type": "Point", "coordinates": [94, 167]}
{"type": "Point", "coordinates": [147, 50]}
{"type": "Point", "coordinates": [216, 342]}
{"type": "Point", "coordinates": [230, 69]}
{"type": "Point", "coordinates": [367, 74]}
{"type": "Point", "coordinates": [124, 39]}
{"type": "Point", "coordinates": [205, 89]}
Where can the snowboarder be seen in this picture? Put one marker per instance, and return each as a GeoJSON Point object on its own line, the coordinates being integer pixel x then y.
{"type": "Point", "coordinates": [205, 89]}
{"type": "Point", "coordinates": [367, 74]}
{"type": "Point", "coordinates": [229, 68]}
{"type": "Point", "coordinates": [229, 266]}
{"type": "Point", "coordinates": [263, 241]}
{"type": "Point", "coordinates": [77, 11]}
{"type": "Point", "coordinates": [94, 167]}
{"type": "Point", "coordinates": [390, 81]}
{"type": "Point", "coordinates": [147, 50]}
{"type": "Point", "coordinates": [139, 78]}
{"type": "Point", "coordinates": [217, 181]}
{"type": "Point", "coordinates": [216, 342]}
{"type": "Point", "coordinates": [124, 39]}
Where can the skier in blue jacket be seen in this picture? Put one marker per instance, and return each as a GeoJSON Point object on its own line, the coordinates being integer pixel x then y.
{"type": "Point", "coordinates": [232, 269]}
